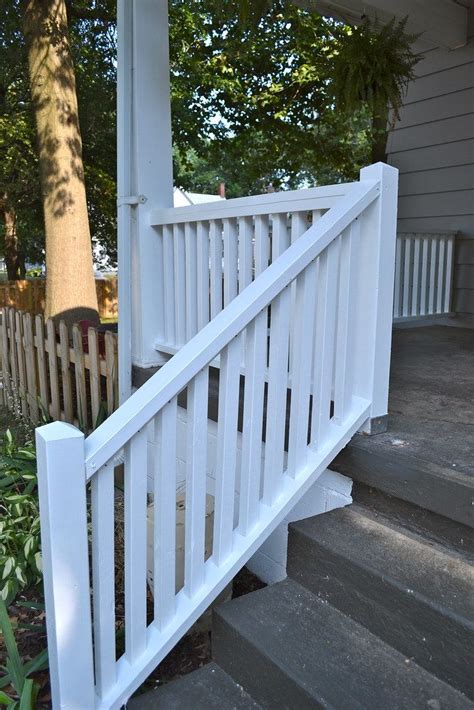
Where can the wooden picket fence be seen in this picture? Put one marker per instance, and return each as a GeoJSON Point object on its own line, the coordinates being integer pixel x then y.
{"type": "Point", "coordinates": [29, 295]}
{"type": "Point", "coordinates": [49, 374]}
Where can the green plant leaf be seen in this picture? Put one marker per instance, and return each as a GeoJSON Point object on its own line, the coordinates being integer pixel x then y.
{"type": "Point", "coordinates": [13, 665]}
{"type": "Point", "coordinates": [29, 694]}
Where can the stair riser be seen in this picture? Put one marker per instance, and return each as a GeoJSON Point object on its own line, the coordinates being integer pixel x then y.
{"type": "Point", "coordinates": [256, 673]}
{"type": "Point", "coordinates": [395, 615]}
{"type": "Point", "coordinates": [404, 478]}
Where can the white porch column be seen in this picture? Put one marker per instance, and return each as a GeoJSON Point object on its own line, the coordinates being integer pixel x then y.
{"type": "Point", "coordinates": [145, 176]}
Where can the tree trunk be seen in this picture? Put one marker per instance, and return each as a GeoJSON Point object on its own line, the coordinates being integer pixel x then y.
{"type": "Point", "coordinates": [13, 260]}
{"type": "Point", "coordinates": [70, 285]}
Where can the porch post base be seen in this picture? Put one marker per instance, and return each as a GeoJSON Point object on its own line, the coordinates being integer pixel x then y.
{"type": "Point", "coordinates": [377, 425]}
{"type": "Point", "coordinates": [141, 374]}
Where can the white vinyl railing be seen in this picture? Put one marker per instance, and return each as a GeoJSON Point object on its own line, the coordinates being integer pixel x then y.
{"type": "Point", "coordinates": [211, 252]}
{"type": "Point", "coordinates": [423, 274]}
{"type": "Point", "coordinates": [334, 286]}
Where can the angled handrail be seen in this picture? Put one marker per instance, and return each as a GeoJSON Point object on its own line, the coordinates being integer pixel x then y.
{"type": "Point", "coordinates": [137, 411]}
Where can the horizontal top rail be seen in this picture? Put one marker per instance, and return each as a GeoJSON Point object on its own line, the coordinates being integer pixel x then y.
{"type": "Point", "coordinates": [175, 375]}
{"type": "Point", "coordinates": [440, 234]}
{"type": "Point", "coordinates": [313, 198]}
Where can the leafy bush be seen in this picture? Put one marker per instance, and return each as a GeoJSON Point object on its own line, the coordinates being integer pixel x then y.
{"type": "Point", "coordinates": [20, 557]}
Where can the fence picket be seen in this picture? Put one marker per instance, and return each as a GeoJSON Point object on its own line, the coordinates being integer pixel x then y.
{"type": "Point", "coordinates": [13, 358]}
{"type": "Point", "coordinates": [94, 374]}
{"type": "Point", "coordinates": [168, 284]}
{"type": "Point", "coordinates": [42, 367]}
{"type": "Point", "coordinates": [111, 371]}
{"type": "Point", "coordinates": [6, 372]}
{"type": "Point", "coordinates": [53, 370]}
{"type": "Point", "coordinates": [80, 377]}
{"type": "Point", "coordinates": [66, 372]}
{"type": "Point", "coordinates": [20, 352]}
{"type": "Point", "coordinates": [30, 357]}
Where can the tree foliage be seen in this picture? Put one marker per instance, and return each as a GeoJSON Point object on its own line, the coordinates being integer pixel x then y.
{"type": "Point", "coordinates": [264, 92]}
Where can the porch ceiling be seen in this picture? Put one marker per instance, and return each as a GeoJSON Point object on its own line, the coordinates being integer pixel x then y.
{"type": "Point", "coordinates": [443, 22]}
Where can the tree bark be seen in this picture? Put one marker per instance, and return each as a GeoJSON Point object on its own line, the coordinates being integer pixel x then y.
{"type": "Point", "coordinates": [13, 259]}
{"type": "Point", "coordinates": [70, 286]}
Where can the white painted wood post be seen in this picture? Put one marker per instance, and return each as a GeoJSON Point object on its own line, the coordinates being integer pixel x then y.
{"type": "Point", "coordinates": [152, 178]}
{"type": "Point", "coordinates": [373, 330]}
{"type": "Point", "coordinates": [62, 496]}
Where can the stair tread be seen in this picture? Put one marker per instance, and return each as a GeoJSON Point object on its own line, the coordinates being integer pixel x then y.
{"type": "Point", "coordinates": [332, 660]}
{"type": "Point", "coordinates": [204, 689]}
{"type": "Point", "coordinates": [422, 566]}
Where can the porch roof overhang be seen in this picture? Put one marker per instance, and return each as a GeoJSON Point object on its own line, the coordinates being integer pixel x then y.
{"type": "Point", "coordinates": [443, 23]}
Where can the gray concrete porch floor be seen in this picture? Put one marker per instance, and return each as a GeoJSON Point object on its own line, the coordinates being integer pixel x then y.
{"type": "Point", "coordinates": [428, 449]}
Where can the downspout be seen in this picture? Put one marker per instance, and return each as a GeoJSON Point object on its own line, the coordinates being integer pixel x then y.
{"type": "Point", "coordinates": [124, 190]}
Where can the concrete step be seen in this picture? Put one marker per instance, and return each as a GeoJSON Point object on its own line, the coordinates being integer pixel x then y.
{"type": "Point", "coordinates": [388, 572]}
{"type": "Point", "coordinates": [208, 688]}
{"type": "Point", "coordinates": [292, 650]}
{"type": "Point", "coordinates": [409, 462]}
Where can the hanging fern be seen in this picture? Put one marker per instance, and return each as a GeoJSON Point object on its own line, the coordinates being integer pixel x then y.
{"type": "Point", "coordinates": [372, 69]}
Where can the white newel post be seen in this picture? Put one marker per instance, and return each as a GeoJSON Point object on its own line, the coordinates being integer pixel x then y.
{"type": "Point", "coordinates": [145, 175]}
{"type": "Point", "coordinates": [376, 279]}
{"type": "Point", "coordinates": [62, 497]}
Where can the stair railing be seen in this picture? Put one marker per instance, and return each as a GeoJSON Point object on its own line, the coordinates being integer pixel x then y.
{"type": "Point", "coordinates": [424, 264]}
{"type": "Point", "coordinates": [210, 252]}
{"type": "Point", "coordinates": [341, 271]}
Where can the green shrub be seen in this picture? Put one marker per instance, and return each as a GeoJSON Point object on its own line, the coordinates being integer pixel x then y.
{"type": "Point", "coordinates": [20, 557]}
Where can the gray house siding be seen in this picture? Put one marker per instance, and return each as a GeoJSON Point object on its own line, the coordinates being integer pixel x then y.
{"type": "Point", "coordinates": [433, 147]}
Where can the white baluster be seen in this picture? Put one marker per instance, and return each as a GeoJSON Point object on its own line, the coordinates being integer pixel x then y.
{"type": "Point", "coordinates": [135, 544]}
{"type": "Point", "coordinates": [431, 307]}
{"type": "Point", "coordinates": [196, 466]}
{"type": "Point", "coordinates": [230, 260]}
{"type": "Point", "coordinates": [345, 321]}
{"type": "Point", "coordinates": [215, 231]}
{"type": "Point", "coordinates": [416, 278]}
{"type": "Point", "coordinates": [202, 274]}
{"type": "Point", "coordinates": [406, 277]}
{"type": "Point", "coordinates": [277, 396]}
{"type": "Point", "coordinates": [103, 576]}
{"type": "Point", "coordinates": [190, 234]}
{"type": "Point", "coordinates": [226, 456]}
{"type": "Point", "coordinates": [303, 315]}
{"type": "Point", "coordinates": [441, 273]}
{"type": "Point", "coordinates": [255, 367]}
{"type": "Point", "coordinates": [168, 285]}
{"type": "Point", "coordinates": [262, 243]}
{"type": "Point", "coordinates": [179, 283]}
{"type": "Point", "coordinates": [164, 532]}
{"type": "Point", "coordinates": [424, 278]}
{"type": "Point", "coordinates": [325, 342]}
